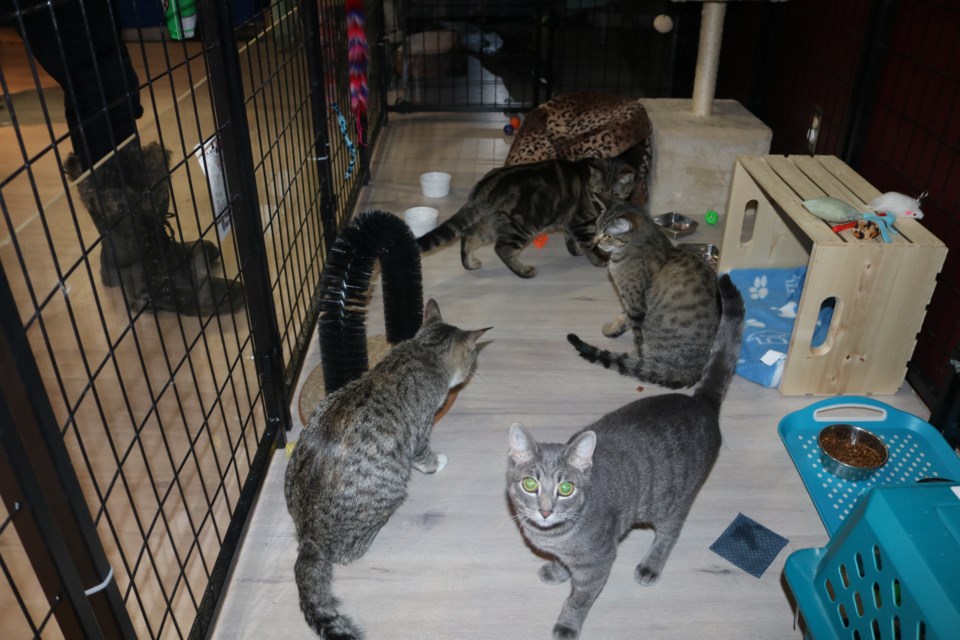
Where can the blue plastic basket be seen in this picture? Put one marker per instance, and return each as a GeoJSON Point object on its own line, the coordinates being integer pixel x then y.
{"type": "Point", "coordinates": [917, 451]}
{"type": "Point", "coordinates": [891, 572]}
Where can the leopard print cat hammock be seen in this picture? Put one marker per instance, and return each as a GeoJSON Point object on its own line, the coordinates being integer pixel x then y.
{"type": "Point", "coordinates": [588, 125]}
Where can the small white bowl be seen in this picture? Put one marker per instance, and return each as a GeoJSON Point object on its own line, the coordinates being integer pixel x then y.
{"type": "Point", "coordinates": [421, 219]}
{"type": "Point", "coordinates": [435, 184]}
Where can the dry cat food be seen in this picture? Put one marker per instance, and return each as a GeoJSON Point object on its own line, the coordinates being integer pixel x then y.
{"type": "Point", "coordinates": [842, 446]}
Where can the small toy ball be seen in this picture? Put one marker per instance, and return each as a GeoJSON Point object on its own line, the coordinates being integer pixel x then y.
{"type": "Point", "coordinates": [663, 23]}
{"type": "Point", "coordinates": [515, 122]}
{"type": "Point", "coordinates": [540, 241]}
{"type": "Point", "coordinates": [508, 129]}
{"type": "Point", "coordinates": [711, 217]}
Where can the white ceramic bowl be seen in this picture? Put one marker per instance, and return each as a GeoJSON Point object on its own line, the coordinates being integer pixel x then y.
{"type": "Point", "coordinates": [421, 219]}
{"type": "Point", "coordinates": [435, 184]}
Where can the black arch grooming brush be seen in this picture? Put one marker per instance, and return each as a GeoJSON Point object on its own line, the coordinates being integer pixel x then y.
{"type": "Point", "coordinates": [371, 236]}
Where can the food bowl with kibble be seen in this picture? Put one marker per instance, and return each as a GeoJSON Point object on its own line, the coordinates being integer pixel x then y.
{"type": "Point", "coordinates": [850, 452]}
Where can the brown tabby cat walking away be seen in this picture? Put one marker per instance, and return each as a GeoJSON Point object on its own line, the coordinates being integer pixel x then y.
{"type": "Point", "coordinates": [669, 297]}
{"type": "Point", "coordinates": [641, 464]}
{"type": "Point", "coordinates": [511, 205]}
{"type": "Point", "coordinates": [350, 468]}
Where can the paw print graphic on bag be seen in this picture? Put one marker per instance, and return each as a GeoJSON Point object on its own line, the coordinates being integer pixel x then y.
{"type": "Point", "coordinates": [759, 289]}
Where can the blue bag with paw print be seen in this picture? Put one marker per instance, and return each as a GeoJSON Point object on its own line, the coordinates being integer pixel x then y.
{"type": "Point", "coordinates": [771, 298]}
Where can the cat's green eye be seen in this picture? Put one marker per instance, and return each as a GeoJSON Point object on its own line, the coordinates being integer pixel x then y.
{"type": "Point", "coordinates": [565, 489]}
{"type": "Point", "coordinates": [529, 484]}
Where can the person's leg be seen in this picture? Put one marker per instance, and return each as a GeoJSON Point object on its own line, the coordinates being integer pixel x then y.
{"type": "Point", "coordinates": [128, 195]}
{"type": "Point", "coordinates": [78, 45]}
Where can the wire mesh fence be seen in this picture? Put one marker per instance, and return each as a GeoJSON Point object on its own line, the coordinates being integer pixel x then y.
{"type": "Point", "coordinates": [491, 55]}
{"type": "Point", "coordinates": [159, 271]}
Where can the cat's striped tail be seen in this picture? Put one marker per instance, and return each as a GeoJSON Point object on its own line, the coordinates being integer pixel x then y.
{"type": "Point", "coordinates": [627, 364]}
{"type": "Point", "coordinates": [714, 376]}
{"type": "Point", "coordinates": [726, 346]}
{"type": "Point", "coordinates": [313, 572]}
{"type": "Point", "coordinates": [451, 228]}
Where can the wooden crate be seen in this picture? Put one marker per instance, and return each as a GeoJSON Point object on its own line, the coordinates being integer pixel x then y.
{"type": "Point", "coordinates": [881, 289]}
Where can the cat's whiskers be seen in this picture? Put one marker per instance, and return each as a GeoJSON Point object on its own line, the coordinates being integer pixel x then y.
{"type": "Point", "coordinates": [476, 376]}
{"type": "Point", "coordinates": [519, 517]}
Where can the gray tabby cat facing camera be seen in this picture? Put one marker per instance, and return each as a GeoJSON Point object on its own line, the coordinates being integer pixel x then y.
{"type": "Point", "coordinates": [511, 205]}
{"type": "Point", "coordinates": [642, 464]}
{"type": "Point", "coordinates": [350, 468]}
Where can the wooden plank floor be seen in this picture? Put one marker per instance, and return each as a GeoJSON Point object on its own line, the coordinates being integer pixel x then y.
{"type": "Point", "coordinates": [451, 563]}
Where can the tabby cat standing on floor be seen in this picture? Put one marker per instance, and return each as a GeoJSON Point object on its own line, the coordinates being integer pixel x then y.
{"type": "Point", "coordinates": [349, 470]}
{"type": "Point", "coordinates": [669, 299]}
{"type": "Point", "coordinates": [640, 464]}
{"type": "Point", "coordinates": [511, 205]}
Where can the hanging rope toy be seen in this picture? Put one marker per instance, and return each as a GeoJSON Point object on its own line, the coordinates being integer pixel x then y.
{"type": "Point", "coordinates": [346, 140]}
{"type": "Point", "coordinates": [357, 54]}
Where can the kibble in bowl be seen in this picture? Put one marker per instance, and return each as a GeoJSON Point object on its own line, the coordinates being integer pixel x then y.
{"type": "Point", "coordinates": [850, 452]}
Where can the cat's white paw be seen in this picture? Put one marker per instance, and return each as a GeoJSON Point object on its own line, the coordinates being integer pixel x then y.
{"type": "Point", "coordinates": [615, 328]}
{"type": "Point", "coordinates": [441, 462]}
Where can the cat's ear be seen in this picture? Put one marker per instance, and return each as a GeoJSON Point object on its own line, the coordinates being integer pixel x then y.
{"type": "Point", "coordinates": [431, 312]}
{"type": "Point", "coordinates": [579, 453]}
{"type": "Point", "coordinates": [156, 157]}
{"type": "Point", "coordinates": [597, 169]}
{"type": "Point", "coordinates": [471, 337]}
{"type": "Point", "coordinates": [73, 166]}
{"type": "Point", "coordinates": [620, 225]}
{"type": "Point", "coordinates": [523, 448]}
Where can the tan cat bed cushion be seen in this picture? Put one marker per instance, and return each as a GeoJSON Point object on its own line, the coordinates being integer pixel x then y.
{"type": "Point", "coordinates": [587, 125]}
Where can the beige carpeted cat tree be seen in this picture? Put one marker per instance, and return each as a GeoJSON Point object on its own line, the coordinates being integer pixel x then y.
{"type": "Point", "coordinates": [696, 141]}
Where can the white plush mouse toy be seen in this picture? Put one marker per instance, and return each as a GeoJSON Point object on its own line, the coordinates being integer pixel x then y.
{"type": "Point", "coordinates": [898, 204]}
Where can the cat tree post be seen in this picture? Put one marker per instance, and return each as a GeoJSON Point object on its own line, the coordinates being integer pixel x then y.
{"type": "Point", "coordinates": [708, 57]}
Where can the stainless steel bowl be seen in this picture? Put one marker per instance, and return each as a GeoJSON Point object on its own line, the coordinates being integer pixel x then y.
{"type": "Point", "coordinates": [850, 452]}
{"type": "Point", "coordinates": [675, 225]}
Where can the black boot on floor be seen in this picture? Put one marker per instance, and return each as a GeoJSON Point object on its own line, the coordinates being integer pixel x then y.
{"type": "Point", "coordinates": [128, 197]}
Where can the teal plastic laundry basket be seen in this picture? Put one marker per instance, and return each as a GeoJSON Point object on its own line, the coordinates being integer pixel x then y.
{"type": "Point", "coordinates": [892, 571]}
{"type": "Point", "coordinates": [917, 451]}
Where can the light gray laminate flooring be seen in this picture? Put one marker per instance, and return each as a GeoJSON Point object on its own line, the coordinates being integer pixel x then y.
{"type": "Point", "coordinates": [451, 564]}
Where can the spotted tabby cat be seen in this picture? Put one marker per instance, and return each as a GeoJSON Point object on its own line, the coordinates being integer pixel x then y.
{"type": "Point", "coordinates": [640, 464]}
{"type": "Point", "coordinates": [669, 299]}
{"type": "Point", "coordinates": [511, 205]}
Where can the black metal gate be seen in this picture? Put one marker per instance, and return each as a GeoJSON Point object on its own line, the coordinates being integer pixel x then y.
{"type": "Point", "coordinates": [133, 441]}
{"type": "Point", "coordinates": [511, 55]}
